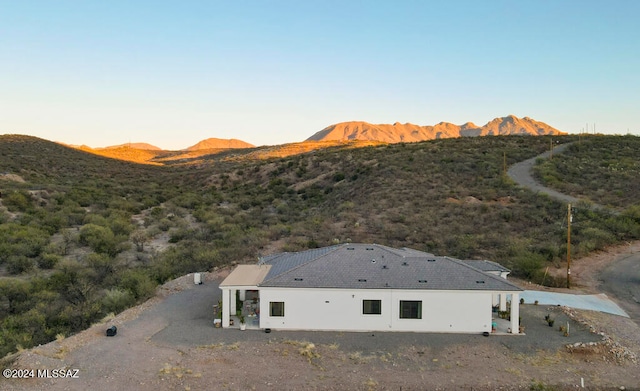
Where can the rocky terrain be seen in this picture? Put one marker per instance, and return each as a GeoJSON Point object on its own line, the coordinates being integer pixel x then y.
{"type": "Point", "coordinates": [510, 125]}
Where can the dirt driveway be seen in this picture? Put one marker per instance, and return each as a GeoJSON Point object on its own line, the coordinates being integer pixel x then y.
{"type": "Point", "coordinates": [169, 343]}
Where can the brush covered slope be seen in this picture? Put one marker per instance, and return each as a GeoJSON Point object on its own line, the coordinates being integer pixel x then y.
{"type": "Point", "coordinates": [83, 235]}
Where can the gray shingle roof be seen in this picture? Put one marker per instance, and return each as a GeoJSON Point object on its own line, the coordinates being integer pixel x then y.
{"type": "Point", "coordinates": [371, 266]}
{"type": "Point", "coordinates": [486, 266]}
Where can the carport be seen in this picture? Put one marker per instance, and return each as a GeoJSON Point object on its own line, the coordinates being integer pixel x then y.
{"type": "Point", "coordinates": [242, 279]}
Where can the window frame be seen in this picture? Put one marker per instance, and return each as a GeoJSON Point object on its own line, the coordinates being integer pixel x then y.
{"type": "Point", "coordinates": [371, 306]}
{"type": "Point", "coordinates": [410, 315]}
{"type": "Point", "coordinates": [276, 309]}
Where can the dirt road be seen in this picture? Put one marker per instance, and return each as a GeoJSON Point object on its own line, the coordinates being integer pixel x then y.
{"type": "Point", "coordinates": [621, 277]}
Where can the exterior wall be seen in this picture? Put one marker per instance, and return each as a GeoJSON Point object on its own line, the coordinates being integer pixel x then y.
{"type": "Point", "coordinates": [340, 309]}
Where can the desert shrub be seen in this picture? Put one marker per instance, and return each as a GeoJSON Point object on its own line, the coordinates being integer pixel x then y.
{"type": "Point", "coordinates": [120, 224]}
{"type": "Point", "coordinates": [15, 296]}
{"type": "Point", "coordinates": [18, 201]}
{"type": "Point", "coordinates": [116, 300]}
{"type": "Point", "coordinates": [138, 283]}
{"type": "Point", "coordinates": [21, 240]}
{"type": "Point", "coordinates": [18, 264]}
{"type": "Point", "coordinates": [181, 234]}
{"type": "Point", "coordinates": [102, 268]}
{"type": "Point", "coordinates": [527, 264]}
{"type": "Point", "coordinates": [48, 260]}
{"type": "Point", "coordinates": [187, 200]}
{"type": "Point", "coordinates": [100, 239]}
{"type": "Point", "coordinates": [598, 238]}
{"type": "Point", "coordinates": [633, 212]}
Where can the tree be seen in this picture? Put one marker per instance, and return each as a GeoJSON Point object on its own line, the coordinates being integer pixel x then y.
{"type": "Point", "coordinates": [100, 239]}
{"type": "Point", "coordinates": [139, 238]}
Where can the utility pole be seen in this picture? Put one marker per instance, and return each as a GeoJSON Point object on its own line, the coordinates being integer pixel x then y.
{"type": "Point", "coordinates": [569, 217]}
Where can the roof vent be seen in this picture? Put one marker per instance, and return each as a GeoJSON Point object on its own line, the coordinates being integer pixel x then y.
{"type": "Point", "coordinates": [298, 279]}
{"type": "Point", "coordinates": [362, 280]}
{"type": "Point", "coordinates": [385, 266]}
{"type": "Point", "coordinates": [422, 281]}
{"type": "Point", "coordinates": [431, 260]}
{"type": "Point", "coordinates": [369, 248]}
{"type": "Point", "coordinates": [350, 248]}
{"type": "Point", "coordinates": [480, 282]}
{"type": "Point", "coordinates": [405, 264]}
{"type": "Point", "coordinates": [373, 261]}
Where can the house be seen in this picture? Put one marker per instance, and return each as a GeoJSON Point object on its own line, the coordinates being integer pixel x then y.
{"type": "Point", "coordinates": [368, 287]}
{"type": "Point", "coordinates": [499, 299]}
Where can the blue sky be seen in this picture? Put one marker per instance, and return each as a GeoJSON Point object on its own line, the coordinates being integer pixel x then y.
{"type": "Point", "coordinates": [173, 73]}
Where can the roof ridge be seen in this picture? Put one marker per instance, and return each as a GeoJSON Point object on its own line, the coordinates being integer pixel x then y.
{"type": "Point", "coordinates": [491, 276]}
{"type": "Point", "coordinates": [395, 251]}
{"type": "Point", "coordinates": [335, 248]}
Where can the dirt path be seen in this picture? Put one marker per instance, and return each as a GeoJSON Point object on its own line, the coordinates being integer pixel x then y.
{"type": "Point", "coordinates": [616, 272]}
{"type": "Point", "coordinates": [521, 174]}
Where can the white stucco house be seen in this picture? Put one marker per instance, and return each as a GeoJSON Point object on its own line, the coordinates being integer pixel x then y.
{"type": "Point", "coordinates": [369, 287]}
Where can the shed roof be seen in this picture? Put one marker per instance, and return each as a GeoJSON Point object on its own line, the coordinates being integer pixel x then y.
{"type": "Point", "coordinates": [246, 275]}
{"type": "Point", "coordinates": [372, 266]}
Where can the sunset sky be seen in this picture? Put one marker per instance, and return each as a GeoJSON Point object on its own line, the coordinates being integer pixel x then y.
{"type": "Point", "coordinates": [270, 72]}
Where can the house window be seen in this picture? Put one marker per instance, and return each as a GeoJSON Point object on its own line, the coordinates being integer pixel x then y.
{"type": "Point", "coordinates": [410, 309]}
{"type": "Point", "coordinates": [276, 308]}
{"type": "Point", "coordinates": [371, 307]}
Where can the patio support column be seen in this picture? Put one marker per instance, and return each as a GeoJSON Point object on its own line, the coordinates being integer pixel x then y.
{"type": "Point", "coordinates": [503, 301]}
{"type": "Point", "coordinates": [225, 308]}
{"type": "Point", "coordinates": [515, 313]}
{"type": "Point", "coordinates": [232, 302]}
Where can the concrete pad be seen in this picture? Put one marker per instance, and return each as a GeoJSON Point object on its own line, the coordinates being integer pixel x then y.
{"type": "Point", "coordinates": [600, 303]}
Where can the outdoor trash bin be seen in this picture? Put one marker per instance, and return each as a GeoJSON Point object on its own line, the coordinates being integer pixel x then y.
{"type": "Point", "coordinates": [112, 331]}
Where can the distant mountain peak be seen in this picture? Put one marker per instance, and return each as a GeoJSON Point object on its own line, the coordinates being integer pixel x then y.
{"type": "Point", "coordinates": [358, 130]}
{"type": "Point", "coordinates": [218, 143]}
{"type": "Point", "coordinates": [142, 146]}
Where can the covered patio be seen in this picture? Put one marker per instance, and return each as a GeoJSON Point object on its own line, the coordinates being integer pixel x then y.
{"type": "Point", "coordinates": [508, 303]}
{"type": "Point", "coordinates": [241, 297]}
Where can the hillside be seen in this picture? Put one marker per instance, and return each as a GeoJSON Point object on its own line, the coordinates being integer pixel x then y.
{"type": "Point", "coordinates": [216, 143]}
{"type": "Point", "coordinates": [143, 146]}
{"type": "Point", "coordinates": [80, 232]}
{"type": "Point", "coordinates": [510, 125]}
{"type": "Point", "coordinates": [145, 153]}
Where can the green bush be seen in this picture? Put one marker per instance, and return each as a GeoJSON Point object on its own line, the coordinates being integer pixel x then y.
{"type": "Point", "coordinates": [48, 260]}
{"type": "Point", "coordinates": [138, 283]}
{"type": "Point", "coordinates": [100, 239]}
{"type": "Point", "coordinates": [116, 300]}
{"type": "Point", "coordinates": [18, 264]}
{"type": "Point", "coordinates": [18, 201]}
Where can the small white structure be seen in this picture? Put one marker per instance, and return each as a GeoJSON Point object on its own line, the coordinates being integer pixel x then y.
{"type": "Point", "coordinates": [197, 278]}
{"type": "Point", "coordinates": [368, 287]}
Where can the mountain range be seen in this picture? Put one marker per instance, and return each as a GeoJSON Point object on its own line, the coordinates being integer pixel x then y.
{"type": "Point", "coordinates": [509, 125]}
{"type": "Point", "coordinates": [360, 133]}
{"type": "Point", "coordinates": [386, 133]}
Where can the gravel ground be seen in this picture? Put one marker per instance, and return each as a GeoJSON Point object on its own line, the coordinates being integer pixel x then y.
{"type": "Point", "coordinates": [189, 320]}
